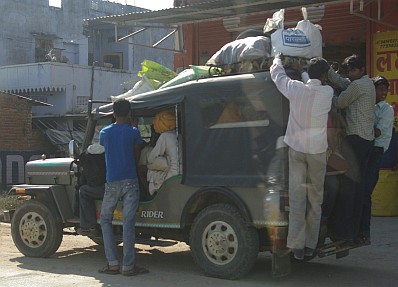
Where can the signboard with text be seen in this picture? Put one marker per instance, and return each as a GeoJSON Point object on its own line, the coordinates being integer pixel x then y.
{"type": "Point", "coordinates": [385, 63]}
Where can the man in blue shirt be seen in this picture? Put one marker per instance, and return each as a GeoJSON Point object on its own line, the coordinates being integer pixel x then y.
{"type": "Point", "coordinates": [122, 145]}
{"type": "Point", "coordinates": [384, 120]}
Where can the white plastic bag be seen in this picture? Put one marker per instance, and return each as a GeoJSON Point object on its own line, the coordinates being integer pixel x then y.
{"type": "Point", "coordinates": [276, 22]}
{"type": "Point", "coordinates": [291, 42]}
{"type": "Point", "coordinates": [140, 87]}
{"type": "Point", "coordinates": [314, 35]}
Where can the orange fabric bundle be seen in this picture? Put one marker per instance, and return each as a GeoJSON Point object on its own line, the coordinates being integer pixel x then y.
{"type": "Point", "coordinates": [164, 121]}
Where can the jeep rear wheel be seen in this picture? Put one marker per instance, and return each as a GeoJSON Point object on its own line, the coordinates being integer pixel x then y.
{"type": "Point", "coordinates": [35, 231]}
{"type": "Point", "coordinates": [222, 243]}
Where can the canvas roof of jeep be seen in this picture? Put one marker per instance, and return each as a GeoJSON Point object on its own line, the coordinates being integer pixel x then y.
{"type": "Point", "coordinates": [222, 153]}
{"type": "Point", "coordinates": [162, 98]}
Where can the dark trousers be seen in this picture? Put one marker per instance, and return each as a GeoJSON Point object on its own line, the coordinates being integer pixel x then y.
{"type": "Point", "coordinates": [347, 214]}
{"type": "Point", "coordinates": [372, 176]}
{"type": "Point", "coordinates": [87, 197]}
{"type": "Point", "coordinates": [331, 190]}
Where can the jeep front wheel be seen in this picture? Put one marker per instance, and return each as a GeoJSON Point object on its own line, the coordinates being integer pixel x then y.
{"type": "Point", "coordinates": [35, 230]}
{"type": "Point", "coordinates": [222, 243]}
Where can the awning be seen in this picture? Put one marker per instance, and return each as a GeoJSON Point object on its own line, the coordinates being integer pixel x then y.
{"type": "Point", "coordinates": [173, 18]}
{"type": "Point", "coordinates": [205, 11]}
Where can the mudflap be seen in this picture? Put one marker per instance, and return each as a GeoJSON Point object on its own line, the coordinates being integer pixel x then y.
{"type": "Point", "coordinates": [281, 262]}
{"type": "Point", "coordinates": [339, 248]}
{"type": "Point", "coordinates": [280, 253]}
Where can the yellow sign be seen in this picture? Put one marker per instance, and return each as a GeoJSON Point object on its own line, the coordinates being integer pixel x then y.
{"type": "Point", "coordinates": [385, 63]}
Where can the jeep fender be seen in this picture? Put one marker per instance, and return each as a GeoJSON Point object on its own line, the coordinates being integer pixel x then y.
{"type": "Point", "coordinates": [53, 196]}
{"type": "Point", "coordinates": [209, 196]}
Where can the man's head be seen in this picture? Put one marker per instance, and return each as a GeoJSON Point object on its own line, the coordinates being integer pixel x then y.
{"type": "Point", "coordinates": [381, 85]}
{"type": "Point", "coordinates": [318, 69]}
{"type": "Point", "coordinates": [121, 109]}
{"type": "Point", "coordinates": [355, 67]}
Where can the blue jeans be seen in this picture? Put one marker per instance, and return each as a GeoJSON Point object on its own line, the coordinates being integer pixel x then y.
{"type": "Point", "coordinates": [128, 191]}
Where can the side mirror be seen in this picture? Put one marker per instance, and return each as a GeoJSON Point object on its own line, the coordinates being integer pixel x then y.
{"type": "Point", "coordinates": [73, 149]}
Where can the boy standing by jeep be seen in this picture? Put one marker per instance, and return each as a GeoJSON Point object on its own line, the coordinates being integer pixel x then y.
{"type": "Point", "coordinates": [122, 144]}
{"type": "Point", "coordinates": [310, 103]}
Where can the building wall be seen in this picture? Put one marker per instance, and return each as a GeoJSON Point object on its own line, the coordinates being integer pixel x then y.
{"type": "Point", "coordinates": [18, 142]}
{"type": "Point", "coordinates": [29, 20]}
{"type": "Point", "coordinates": [66, 87]}
{"type": "Point", "coordinates": [16, 125]}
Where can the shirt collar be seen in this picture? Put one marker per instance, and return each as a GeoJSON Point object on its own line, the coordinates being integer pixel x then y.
{"type": "Point", "coordinates": [381, 103]}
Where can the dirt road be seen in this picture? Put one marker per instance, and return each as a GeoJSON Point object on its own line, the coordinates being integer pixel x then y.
{"type": "Point", "coordinates": [77, 261]}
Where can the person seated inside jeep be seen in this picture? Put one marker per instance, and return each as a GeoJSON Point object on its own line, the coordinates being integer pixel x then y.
{"type": "Point", "coordinates": [94, 173]}
{"type": "Point", "coordinates": [163, 160]}
{"type": "Point", "coordinates": [142, 167]}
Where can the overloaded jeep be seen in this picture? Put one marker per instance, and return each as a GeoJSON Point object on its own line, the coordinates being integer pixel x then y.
{"type": "Point", "coordinates": [229, 201]}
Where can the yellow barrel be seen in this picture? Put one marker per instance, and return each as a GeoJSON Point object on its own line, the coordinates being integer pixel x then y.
{"type": "Point", "coordinates": [385, 194]}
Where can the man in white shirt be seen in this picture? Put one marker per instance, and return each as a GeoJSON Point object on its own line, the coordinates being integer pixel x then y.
{"type": "Point", "coordinates": [310, 103]}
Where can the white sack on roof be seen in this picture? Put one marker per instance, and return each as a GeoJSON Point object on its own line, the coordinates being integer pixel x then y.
{"type": "Point", "coordinates": [249, 48]}
{"type": "Point", "coordinates": [140, 87]}
{"type": "Point", "coordinates": [314, 35]}
{"type": "Point", "coordinates": [276, 22]}
{"type": "Point", "coordinates": [291, 42]}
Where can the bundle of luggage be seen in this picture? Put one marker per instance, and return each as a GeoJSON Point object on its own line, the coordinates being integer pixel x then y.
{"type": "Point", "coordinates": [253, 50]}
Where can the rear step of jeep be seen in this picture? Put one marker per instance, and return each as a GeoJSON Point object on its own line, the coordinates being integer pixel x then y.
{"type": "Point", "coordinates": [340, 248]}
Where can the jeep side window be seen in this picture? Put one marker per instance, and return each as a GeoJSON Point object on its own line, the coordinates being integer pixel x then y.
{"type": "Point", "coordinates": [236, 112]}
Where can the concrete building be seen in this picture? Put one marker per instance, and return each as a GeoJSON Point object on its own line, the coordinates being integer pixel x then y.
{"type": "Point", "coordinates": [46, 54]}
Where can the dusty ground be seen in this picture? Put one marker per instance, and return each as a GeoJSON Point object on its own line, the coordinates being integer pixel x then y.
{"type": "Point", "coordinates": [77, 261]}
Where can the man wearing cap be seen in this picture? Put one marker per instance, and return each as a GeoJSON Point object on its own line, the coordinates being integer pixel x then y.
{"type": "Point", "coordinates": [357, 99]}
{"type": "Point", "coordinates": [384, 114]}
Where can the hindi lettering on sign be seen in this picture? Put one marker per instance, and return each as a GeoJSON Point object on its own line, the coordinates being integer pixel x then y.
{"type": "Point", "coordinates": [384, 60]}
{"type": "Point", "coordinates": [393, 90]}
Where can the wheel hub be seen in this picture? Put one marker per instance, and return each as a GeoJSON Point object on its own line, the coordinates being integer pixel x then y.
{"type": "Point", "coordinates": [219, 242]}
{"type": "Point", "coordinates": [33, 229]}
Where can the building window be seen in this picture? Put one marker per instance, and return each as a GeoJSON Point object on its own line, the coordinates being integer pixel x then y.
{"type": "Point", "coordinates": [115, 59]}
{"type": "Point", "coordinates": [42, 49]}
{"type": "Point", "coordinates": [82, 101]}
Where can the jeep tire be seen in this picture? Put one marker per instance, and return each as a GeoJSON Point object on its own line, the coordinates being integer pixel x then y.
{"type": "Point", "coordinates": [222, 243]}
{"type": "Point", "coordinates": [35, 230]}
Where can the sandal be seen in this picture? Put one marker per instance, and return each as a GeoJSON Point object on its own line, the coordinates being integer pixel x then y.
{"type": "Point", "coordinates": [107, 270]}
{"type": "Point", "coordinates": [135, 271]}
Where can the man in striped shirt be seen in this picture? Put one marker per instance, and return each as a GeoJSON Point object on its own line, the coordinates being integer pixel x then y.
{"type": "Point", "coordinates": [357, 99]}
